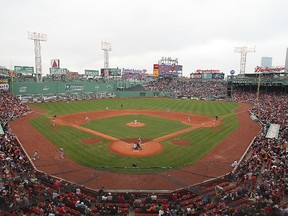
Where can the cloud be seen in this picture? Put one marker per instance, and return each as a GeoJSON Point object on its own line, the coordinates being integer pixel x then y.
{"type": "Point", "coordinates": [201, 34]}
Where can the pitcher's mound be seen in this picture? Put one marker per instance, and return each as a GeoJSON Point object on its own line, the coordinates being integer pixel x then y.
{"type": "Point", "coordinates": [135, 124]}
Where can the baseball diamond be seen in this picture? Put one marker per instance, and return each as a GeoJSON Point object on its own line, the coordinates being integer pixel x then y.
{"type": "Point", "coordinates": [214, 163]}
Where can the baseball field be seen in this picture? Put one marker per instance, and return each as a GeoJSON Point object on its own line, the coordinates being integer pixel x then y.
{"type": "Point", "coordinates": [79, 146]}
{"type": "Point", "coordinates": [182, 142]}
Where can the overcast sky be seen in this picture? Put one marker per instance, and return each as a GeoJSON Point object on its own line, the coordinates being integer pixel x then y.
{"type": "Point", "coordinates": [202, 34]}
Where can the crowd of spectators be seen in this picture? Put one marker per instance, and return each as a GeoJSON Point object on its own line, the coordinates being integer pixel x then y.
{"type": "Point", "coordinates": [11, 107]}
{"type": "Point", "coordinates": [189, 88]}
{"type": "Point", "coordinates": [258, 184]}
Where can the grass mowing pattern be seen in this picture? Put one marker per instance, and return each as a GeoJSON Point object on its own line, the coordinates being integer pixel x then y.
{"type": "Point", "coordinates": [173, 157]}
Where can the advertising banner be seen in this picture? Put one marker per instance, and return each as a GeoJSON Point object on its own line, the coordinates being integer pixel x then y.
{"type": "Point", "coordinates": [218, 76]}
{"type": "Point", "coordinates": [74, 87]}
{"type": "Point", "coordinates": [58, 71]}
{"type": "Point", "coordinates": [207, 75]}
{"type": "Point", "coordinates": [110, 72]}
{"type": "Point", "coordinates": [22, 89]}
{"type": "Point", "coordinates": [4, 86]}
{"type": "Point", "coordinates": [127, 75]}
{"type": "Point", "coordinates": [269, 70]}
{"type": "Point", "coordinates": [55, 63]}
{"type": "Point", "coordinates": [207, 71]}
{"type": "Point", "coordinates": [24, 70]}
{"type": "Point", "coordinates": [92, 72]}
{"type": "Point", "coordinates": [196, 76]}
{"type": "Point", "coordinates": [4, 72]}
{"type": "Point", "coordinates": [156, 72]}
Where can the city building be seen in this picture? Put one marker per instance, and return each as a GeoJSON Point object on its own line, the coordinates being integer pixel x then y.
{"type": "Point", "coordinates": [266, 62]}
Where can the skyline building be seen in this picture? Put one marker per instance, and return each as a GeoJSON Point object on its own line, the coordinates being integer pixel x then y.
{"type": "Point", "coordinates": [266, 62]}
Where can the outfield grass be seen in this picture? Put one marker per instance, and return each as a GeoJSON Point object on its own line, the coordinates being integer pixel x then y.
{"type": "Point", "coordinates": [207, 108]}
{"type": "Point", "coordinates": [173, 156]}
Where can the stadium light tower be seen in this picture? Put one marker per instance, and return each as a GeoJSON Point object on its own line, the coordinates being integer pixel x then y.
{"type": "Point", "coordinates": [106, 46]}
{"type": "Point", "coordinates": [243, 50]}
{"type": "Point", "coordinates": [37, 37]}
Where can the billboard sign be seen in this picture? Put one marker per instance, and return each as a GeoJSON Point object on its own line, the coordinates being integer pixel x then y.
{"type": "Point", "coordinates": [74, 87]}
{"type": "Point", "coordinates": [22, 88]}
{"type": "Point", "coordinates": [24, 70]}
{"type": "Point", "coordinates": [196, 76]}
{"type": "Point", "coordinates": [133, 73]}
{"type": "Point", "coordinates": [218, 76]}
{"type": "Point", "coordinates": [92, 72]}
{"type": "Point", "coordinates": [126, 70]}
{"type": "Point", "coordinates": [269, 70]}
{"type": "Point", "coordinates": [127, 75]}
{"type": "Point", "coordinates": [207, 71]}
{"type": "Point", "coordinates": [55, 63]}
{"type": "Point", "coordinates": [4, 72]}
{"type": "Point", "coordinates": [206, 75]}
{"type": "Point", "coordinates": [155, 72]}
{"type": "Point", "coordinates": [58, 71]}
{"type": "Point", "coordinates": [4, 85]}
{"type": "Point", "coordinates": [110, 72]}
{"type": "Point", "coordinates": [156, 66]}
{"type": "Point", "coordinates": [3, 69]}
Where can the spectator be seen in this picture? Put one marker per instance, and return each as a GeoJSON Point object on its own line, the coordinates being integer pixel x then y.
{"type": "Point", "coordinates": [153, 197]}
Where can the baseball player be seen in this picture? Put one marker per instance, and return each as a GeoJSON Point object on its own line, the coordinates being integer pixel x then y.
{"type": "Point", "coordinates": [61, 151]}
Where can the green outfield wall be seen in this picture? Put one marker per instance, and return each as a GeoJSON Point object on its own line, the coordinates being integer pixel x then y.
{"type": "Point", "coordinates": [138, 93]}
{"type": "Point", "coordinates": [29, 91]}
{"type": "Point", "coordinates": [30, 88]}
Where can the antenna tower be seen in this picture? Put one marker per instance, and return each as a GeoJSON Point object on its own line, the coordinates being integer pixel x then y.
{"type": "Point", "coordinates": [37, 37]}
{"type": "Point", "coordinates": [243, 50]}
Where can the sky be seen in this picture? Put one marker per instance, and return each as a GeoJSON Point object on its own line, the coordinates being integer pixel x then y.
{"type": "Point", "coordinates": [202, 34]}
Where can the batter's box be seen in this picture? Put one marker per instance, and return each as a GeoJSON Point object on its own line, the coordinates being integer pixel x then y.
{"type": "Point", "coordinates": [124, 148]}
{"type": "Point", "coordinates": [131, 146]}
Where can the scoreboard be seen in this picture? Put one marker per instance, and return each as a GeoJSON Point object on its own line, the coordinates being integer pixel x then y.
{"type": "Point", "coordinates": [164, 70]}
{"type": "Point", "coordinates": [218, 76]}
